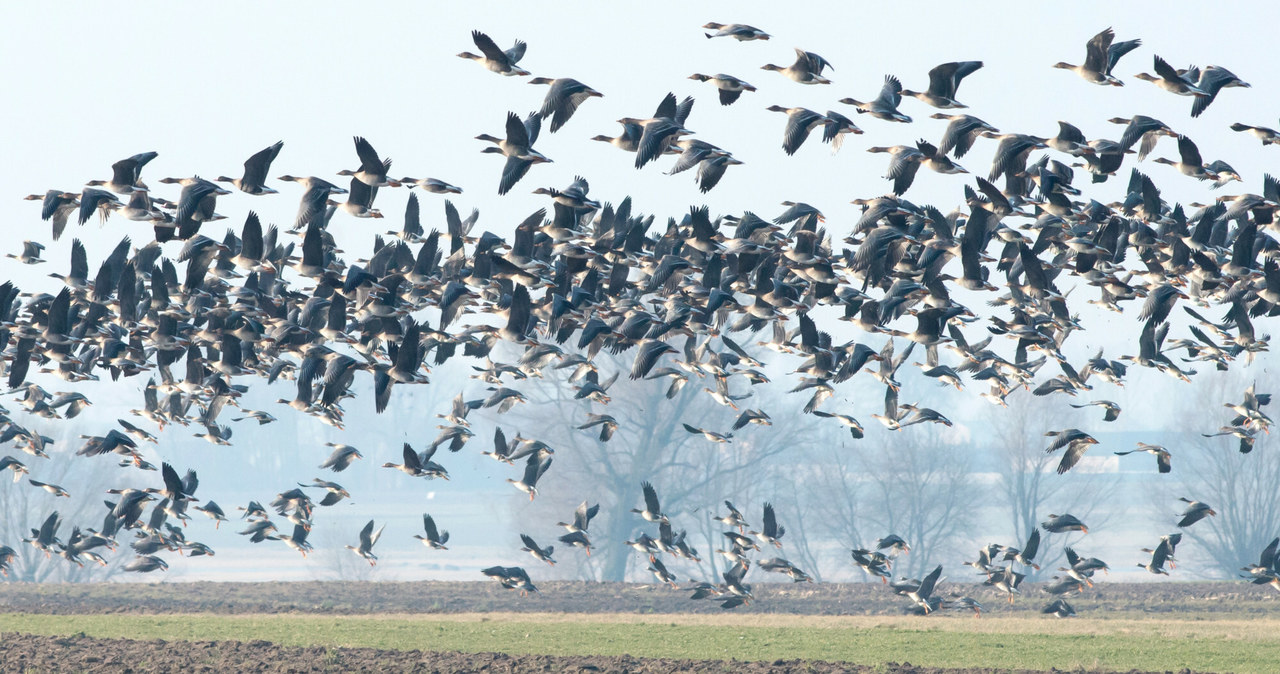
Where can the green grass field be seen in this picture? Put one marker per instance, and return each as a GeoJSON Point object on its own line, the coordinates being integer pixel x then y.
{"type": "Point", "coordinates": [1237, 645]}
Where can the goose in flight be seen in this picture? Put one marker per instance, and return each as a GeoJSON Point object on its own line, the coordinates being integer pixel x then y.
{"type": "Point", "coordinates": [582, 517]}
{"type": "Point", "coordinates": [836, 128]}
{"type": "Point", "coordinates": [855, 428]}
{"type": "Point", "coordinates": [1076, 443]}
{"type": "Point", "coordinates": [1057, 524]}
{"type": "Point", "coordinates": [893, 543]}
{"type": "Point", "coordinates": [606, 422]}
{"type": "Point", "coordinates": [30, 253]}
{"type": "Point", "coordinates": [770, 532]}
{"type": "Point", "coordinates": [922, 594]}
{"type": "Point", "coordinates": [660, 572]}
{"type": "Point", "coordinates": [730, 88]}
{"type": "Point", "coordinates": [435, 539]}
{"type": "Point", "coordinates": [738, 31]}
{"type": "Point", "coordinates": [885, 106]}
{"type": "Point", "coordinates": [539, 553]}
{"type": "Point", "coordinates": [7, 556]}
{"type": "Point", "coordinates": [126, 174]}
{"type": "Point", "coordinates": [574, 196]}
{"type": "Point", "coordinates": [713, 436]}
{"type": "Point", "coordinates": [298, 539]}
{"type": "Point", "coordinates": [534, 467]}
{"type": "Point", "coordinates": [19, 469]}
{"type": "Point", "coordinates": [517, 147]}
{"type": "Point", "coordinates": [1027, 555]}
{"type": "Point", "coordinates": [577, 539]}
{"type": "Point", "coordinates": [56, 208]}
{"type": "Point", "coordinates": [1060, 608]}
{"type": "Point", "coordinates": [1267, 135]}
{"type": "Point", "coordinates": [373, 169]}
{"type": "Point", "coordinates": [1163, 458]}
{"type": "Point", "coordinates": [315, 198]}
{"type": "Point", "coordinates": [1212, 80]}
{"type": "Point", "coordinates": [341, 458]}
{"type": "Point", "coordinates": [1189, 161]}
{"type": "Point", "coordinates": [1265, 571]}
{"type": "Point", "coordinates": [419, 465]}
{"type": "Point", "coordinates": [1141, 127]}
{"type": "Point", "coordinates": [1101, 55]}
{"type": "Point", "coordinates": [51, 488]}
{"type": "Point", "coordinates": [146, 564]}
{"type": "Point", "coordinates": [1195, 512]}
{"type": "Point", "coordinates": [943, 82]}
{"type": "Point", "coordinates": [784, 566]}
{"type": "Point", "coordinates": [733, 519]}
{"type": "Point", "coordinates": [659, 132]}
{"type": "Point", "coordinates": [807, 68]}
{"type": "Point", "coordinates": [906, 160]}
{"type": "Point", "coordinates": [511, 578]}
{"type": "Point", "coordinates": [1159, 556]}
{"type": "Point", "coordinates": [1249, 412]}
{"type": "Point", "coordinates": [1171, 80]}
{"type": "Point", "coordinates": [368, 537]}
{"type": "Point", "coordinates": [255, 171]}
{"type": "Point", "coordinates": [1008, 581]}
{"type": "Point", "coordinates": [800, 121]}
{"type": "Point", "coordinates": [494, 58]}
{"type": "Point", "coordinates": [359, 201]}
{"type": "Point", "coordinates": [875, 564]}
{"type": "Point", "coordinates": [563, 99]}
{"type": "Point", "coordinates": [1085, 565]}
{"type": "Point", "coordinates": [101, 201]}
{"type": "Point", "coordinates": [652, 509]}
{"type": "Point", "coordinates": [432, 185]}
{"type": "Point", "coordinates": [961, 132]}
{"type": "Point", "coordinates": [213, 511]}
{"type": "Point", "coordinates": [1111, 411]}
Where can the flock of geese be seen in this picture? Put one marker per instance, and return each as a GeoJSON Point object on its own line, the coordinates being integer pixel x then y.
{"type": "Point", "coordinates": [202, 321]}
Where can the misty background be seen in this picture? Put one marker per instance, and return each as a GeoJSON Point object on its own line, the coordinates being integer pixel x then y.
{"type": "Point", "coordinates": [92, 84]}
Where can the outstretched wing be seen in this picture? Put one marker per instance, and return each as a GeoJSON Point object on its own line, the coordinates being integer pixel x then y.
{"type": "Point", "coordinates": [651, 498]}
{"type": "Point", "coordinates": [1033, 545]}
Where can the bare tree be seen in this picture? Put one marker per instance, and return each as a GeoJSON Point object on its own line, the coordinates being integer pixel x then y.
{"type": "Point", "coordinates": [332, 561]}
{"type": "Point", "coordinates": [1242, 488]}
{"type": "Point", "coordinates": [25, 508]}
{"type": "Point", "coordinates": [1026, 479]}
{"type": "Point", "coordinates": [921, 489]}
{"type": "Point", "coordinates": [689, 471]}
{"type": "Point", "coordinates": [837, 496]}
{"type": "Point", "coordinates": [779, 474]}
{"type": "Point", "coordinates": [806, 544]}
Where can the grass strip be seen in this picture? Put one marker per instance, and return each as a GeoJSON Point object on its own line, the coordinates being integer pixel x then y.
{"type": "Point", "coordinates": [1119, 645]}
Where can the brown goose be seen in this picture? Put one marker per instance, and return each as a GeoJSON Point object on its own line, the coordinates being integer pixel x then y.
{"type": "Point", "coordinates": [652, 509]}
{"type": "Point", "coordinates": [943, 82]}
{"type": "Point", "coordinates": [738, 31]}
{"type": "Point", "coordinates": [1076, 443]}
{"type": "Point", "coordinates": [494, 58]}
{"type": "Point", "coordinates": [368, 537]}
{"type": "Point", "coordinates": [435, 539]}
{"type": "Point", "coordinates": [1101, 55]}
{"type": "Point", "coordinates": [1162, 455]}
{"type": "Point", "coordinates": [807, 68]}
{"type": "Point", "coordinates": [1195, 512]}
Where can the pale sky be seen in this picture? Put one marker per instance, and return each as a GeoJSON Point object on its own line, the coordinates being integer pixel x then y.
{"type": "Point", "coordinates": [206, 86]}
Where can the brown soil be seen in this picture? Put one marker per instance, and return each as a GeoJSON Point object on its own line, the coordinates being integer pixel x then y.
{"type": "Point", "coordinates": [31, 653]}
{"type": "Point", "coordinates": [578, 597]}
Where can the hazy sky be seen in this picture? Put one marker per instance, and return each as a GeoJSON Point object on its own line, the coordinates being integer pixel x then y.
{"type": "Point", "coordinates": [206, 86]}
